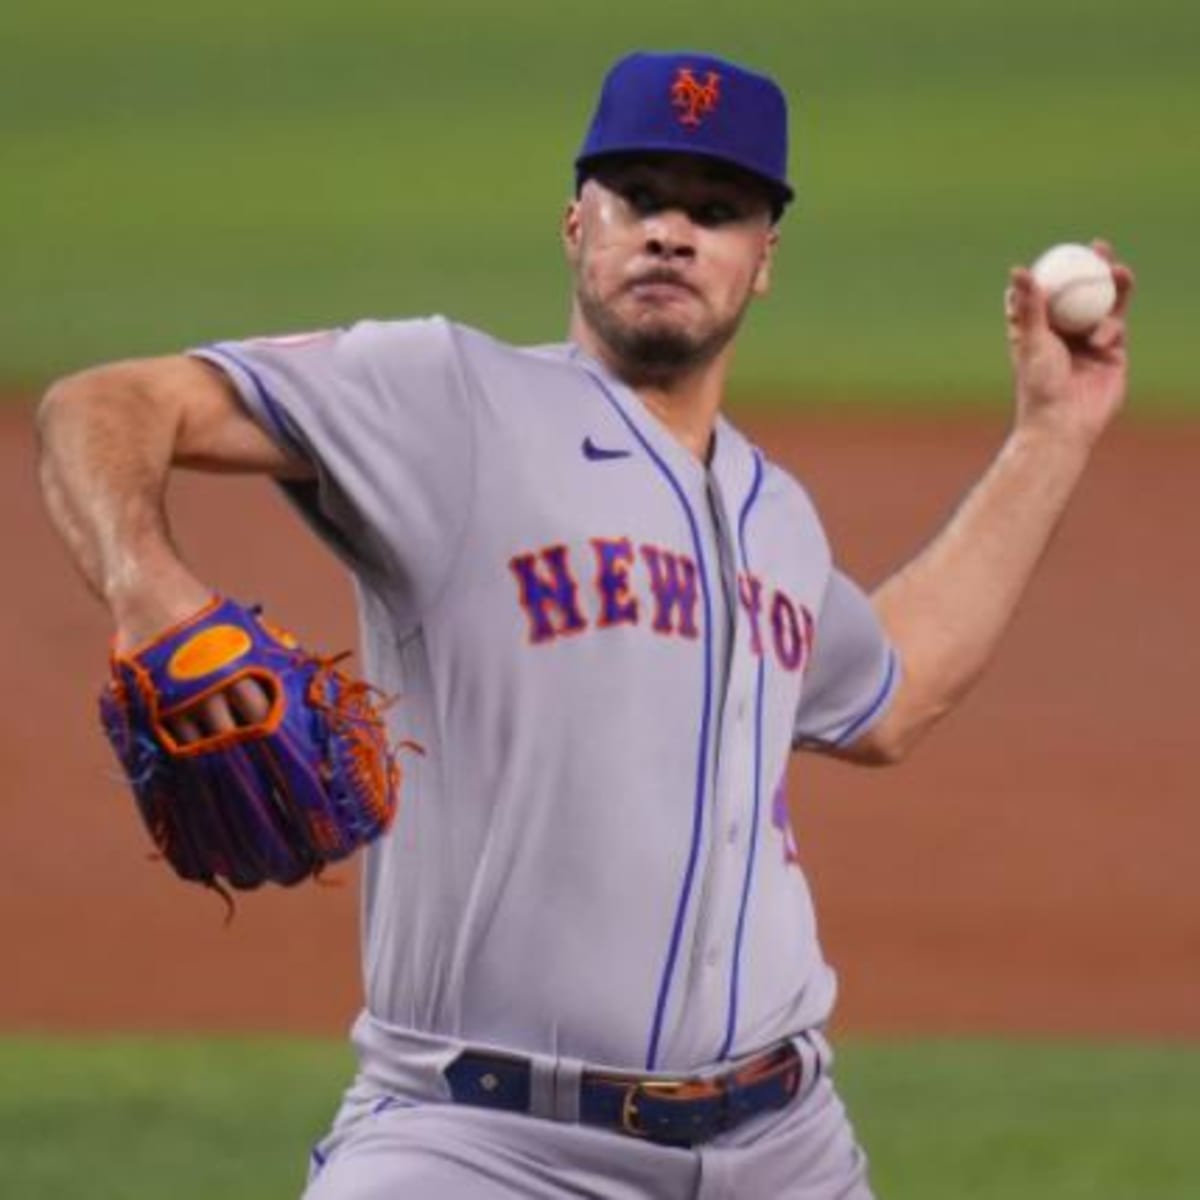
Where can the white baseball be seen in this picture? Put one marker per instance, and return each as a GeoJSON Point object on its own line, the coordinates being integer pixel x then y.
{"type": "Point", "coordinates": [1079, 285]}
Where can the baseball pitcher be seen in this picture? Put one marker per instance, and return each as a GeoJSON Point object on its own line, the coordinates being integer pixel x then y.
{"type": "Point", "coordinates": [590, 957]}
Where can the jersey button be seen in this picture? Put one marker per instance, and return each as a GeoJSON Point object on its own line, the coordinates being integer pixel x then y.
{"type": "Point", "coordinates": [713, 957]}
{"type": "Point", "coordinates": [731, 834]}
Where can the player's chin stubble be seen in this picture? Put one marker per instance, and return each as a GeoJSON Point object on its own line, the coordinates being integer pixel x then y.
{"type": "Point", "coordinates": [654, 350]}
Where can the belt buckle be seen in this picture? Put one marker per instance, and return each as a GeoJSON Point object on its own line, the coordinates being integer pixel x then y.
{"type": "Point", "coordinates": [783, 1061]}
{"type": "Point", "coordinates": [630, 1122]}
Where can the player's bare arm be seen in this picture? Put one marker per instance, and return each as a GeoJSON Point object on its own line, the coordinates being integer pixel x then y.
{"type": "Point", "coordinates": [947, 609]}
{"type": "Point", "coordinates": [108, 438]}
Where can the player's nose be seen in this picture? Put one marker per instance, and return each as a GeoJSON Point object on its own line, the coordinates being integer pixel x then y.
{"type": "Point", "coordinates": [669, 234]}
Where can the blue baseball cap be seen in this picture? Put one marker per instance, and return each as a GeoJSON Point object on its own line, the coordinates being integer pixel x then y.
{"type": "Point", "coordinates": [679, 103]}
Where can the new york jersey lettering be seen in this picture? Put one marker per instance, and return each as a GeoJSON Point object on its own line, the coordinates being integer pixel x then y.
{"type": "Point", "coordinates": [792, 624]}
{"type": "Point", "coordinates": [750, 596]}
{"type": "Point", "coordinates": [548, 593]}
{"type": "Point", "coordinates": [673, 582]}
{"type": "Point", "coordinates": [785, 627]}
{"type": "Point", "coordinates": [634, 584]}
{"type": "Point", "coordinates": [614, 559]}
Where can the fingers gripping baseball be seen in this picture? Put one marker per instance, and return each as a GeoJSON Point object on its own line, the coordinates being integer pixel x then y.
{"type": "Point", "coordinates": [1073, 382]}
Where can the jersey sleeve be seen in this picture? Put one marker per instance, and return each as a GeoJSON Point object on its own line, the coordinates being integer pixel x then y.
{"type": "Point", "coordinates": [853, 673]}
{"type": "Point", "coordinates": [382, 412]}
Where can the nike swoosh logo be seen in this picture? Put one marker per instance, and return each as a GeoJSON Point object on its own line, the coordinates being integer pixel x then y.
{"type": "Point", "coordinates": [594, 453]}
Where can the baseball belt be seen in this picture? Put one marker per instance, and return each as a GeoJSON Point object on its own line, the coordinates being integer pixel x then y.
{"type": "Point", "coordinates": [675, 1112]}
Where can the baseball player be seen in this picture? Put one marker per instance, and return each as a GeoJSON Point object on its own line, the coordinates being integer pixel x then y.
{"type": "Point", "coordinates": [591, 964]}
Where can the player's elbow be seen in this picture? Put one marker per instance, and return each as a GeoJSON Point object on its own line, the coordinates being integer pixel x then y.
{"type": "Point", "coordinates": [883, 745]}
{"type": "Point", "coordinates": [887, 753]}
{"type": "Point", "coordinates": [901, 729]}
{"type": "Point", "coordinates": [61, 405]}
{"type": "Point", "coordinates": [54, 404]}
{"type": "Point", "coordinates": [74, 396]}
{"type": "Point", "coordinates": [129, 400]}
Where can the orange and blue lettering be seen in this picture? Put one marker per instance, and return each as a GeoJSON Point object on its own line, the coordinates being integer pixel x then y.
{"type": "Point", "coordinates": [785, 626]}
{"type": "Point", "coordinates": [673, 581]}
{"type": "Point", "coordinates": [548, 593]}
{"type": "Point", "coordinates": [618, 604]}
{"type": "Point", "coordinates": [750, 595]}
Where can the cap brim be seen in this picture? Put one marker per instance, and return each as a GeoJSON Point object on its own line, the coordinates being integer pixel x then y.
{"type": "Point", "coordinates": [780, 191]}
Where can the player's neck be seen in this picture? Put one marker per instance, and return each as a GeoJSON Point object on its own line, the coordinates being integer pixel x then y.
{"type": "Point", "coordinates": [686, 402]}
{"type": "Point", "coordinates": [687, 409]}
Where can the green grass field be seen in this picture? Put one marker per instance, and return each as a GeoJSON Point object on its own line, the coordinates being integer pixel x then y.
{"type": "Point", "coordinates": [130, 1118]}
{"type": "Point", "coordinates": [177, 173]}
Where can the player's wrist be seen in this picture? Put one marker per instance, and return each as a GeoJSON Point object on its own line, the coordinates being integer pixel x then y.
{"type": "Point", "coordinates": [1048, 447]}
{"type": "Point", "coordinates": [145, 599]}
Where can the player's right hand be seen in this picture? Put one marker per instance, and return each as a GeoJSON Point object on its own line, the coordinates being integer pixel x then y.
{"type": "Point", "coordinates": [1072, 386]}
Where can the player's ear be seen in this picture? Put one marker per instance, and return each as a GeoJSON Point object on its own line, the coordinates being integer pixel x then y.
{"type": "Point", "coordinates": [762, 276]}
{"type": "Point", "coordinates": [571, 227]}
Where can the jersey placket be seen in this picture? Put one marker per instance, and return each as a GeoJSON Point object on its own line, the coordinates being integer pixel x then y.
{"type": "Point", "coordinates": [708, 1015]}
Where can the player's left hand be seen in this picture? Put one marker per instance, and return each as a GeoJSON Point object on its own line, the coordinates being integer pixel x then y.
{"type": "Point", "coordinates": [251, 759]}
{"type": "Point", "coordinates": [1067, 386]}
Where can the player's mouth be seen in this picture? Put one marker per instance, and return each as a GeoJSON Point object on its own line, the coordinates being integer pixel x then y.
{"type": "Point", "coordinates": [660, 285]}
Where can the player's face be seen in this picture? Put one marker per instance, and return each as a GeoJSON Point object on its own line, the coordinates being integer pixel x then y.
{"type": "Point", "coordinates": [667, 253]}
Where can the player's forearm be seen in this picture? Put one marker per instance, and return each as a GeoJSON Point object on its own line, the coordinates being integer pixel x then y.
{"type": "Point", "coordinates": [947, 609]}
{"type": "Point", "coordinates": [105, 452]}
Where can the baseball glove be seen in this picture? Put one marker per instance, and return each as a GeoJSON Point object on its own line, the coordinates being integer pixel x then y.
{"type": "Point", "coordinates": [271, 801]}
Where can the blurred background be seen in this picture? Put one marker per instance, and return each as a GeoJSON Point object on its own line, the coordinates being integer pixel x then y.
{"type": "Point", "coordinates": [1015, 914]}
{"type": "Point", "coordinates": [175, 173]}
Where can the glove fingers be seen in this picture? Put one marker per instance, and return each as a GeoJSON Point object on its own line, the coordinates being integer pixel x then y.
{"type": "Point", "coordinates": [303, 793]}
{"type": "Point", "coordinates": [269, 817]}
{"type": "Point", "coordinates": [259, 835]}
{"type": "Point", "coordinates": [243, 842]}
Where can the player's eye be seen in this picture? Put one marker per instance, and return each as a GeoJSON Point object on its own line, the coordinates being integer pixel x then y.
{"type": "Point", "coordinates": [716, 212]}
{"type": "Point", "coordinates": [645, 199]}
{"type": "Point", "coordinates": [642, 198]}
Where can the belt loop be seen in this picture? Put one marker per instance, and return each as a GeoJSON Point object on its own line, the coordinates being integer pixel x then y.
{"type": "Point", "coordinates": [824, 1051]}
{"type": "Point", "coordinates": [815, 1055]}
{"type": "Point", "coordinates": [568, 1078]}
{"type": "Point", "coordinates": [541, 1087]}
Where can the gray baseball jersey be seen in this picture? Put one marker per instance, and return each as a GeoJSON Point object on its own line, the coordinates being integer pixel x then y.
{"type": "Point", "coordinates": [607, 650]}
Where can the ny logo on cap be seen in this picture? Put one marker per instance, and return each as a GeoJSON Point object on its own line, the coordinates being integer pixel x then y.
{"type": "Point", "coordinates": [693, 98]}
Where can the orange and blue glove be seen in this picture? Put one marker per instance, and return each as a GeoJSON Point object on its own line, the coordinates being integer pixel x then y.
{"type": "Point", "coordinates": [274, 800]}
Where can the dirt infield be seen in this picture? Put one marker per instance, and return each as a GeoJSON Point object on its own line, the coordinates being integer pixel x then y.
{"type": "Point", "coordinates": [1035, 867]}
